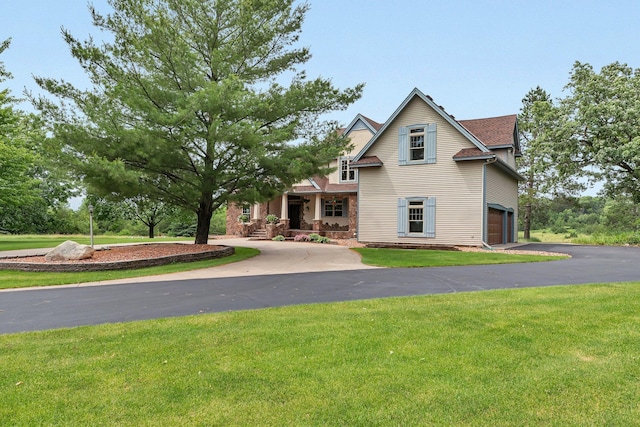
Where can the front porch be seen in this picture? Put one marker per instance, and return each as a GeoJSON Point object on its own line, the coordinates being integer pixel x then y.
{"type": "Point", "coordinates": [330, 215]}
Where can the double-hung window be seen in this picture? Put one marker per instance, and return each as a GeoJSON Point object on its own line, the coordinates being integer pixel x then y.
{"type": "Point", "coordinates": [246, 210]}
{"type": "Point", "coordinates": [334, 207]}
{"type": "Point", "coordinates": [347, 173]}
{"type": "Point", "coordinates": [417, 217]}
{"type": "Point", "coordinates": [417, 144]}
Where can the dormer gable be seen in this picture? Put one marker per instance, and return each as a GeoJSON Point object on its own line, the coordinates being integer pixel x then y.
{"type": "Point", "coordinates": [361, 122]}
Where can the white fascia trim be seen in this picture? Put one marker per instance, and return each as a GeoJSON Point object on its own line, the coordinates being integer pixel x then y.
{"type": "Point", "coordinates": [314, 183]}
{"type": "Point", "coordinates": [358, 118]}
{"type": "Point", "coordinates": [416, 92]}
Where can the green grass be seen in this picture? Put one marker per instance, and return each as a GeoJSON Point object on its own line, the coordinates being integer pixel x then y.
{"type": "Point", "coordinates": [22, 241]}
{"type": "Point", "coordinates": [547, 236]}
{"type": "Point", "coordinates": [22, 279]}
{"type": "Point", "coordinates": [560, 356]}
{"type": "Point", "coordinates": [619, 239]}
{"type": "Point", "coordinates": [435, 258]}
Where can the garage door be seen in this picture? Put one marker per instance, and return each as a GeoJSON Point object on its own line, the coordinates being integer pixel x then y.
{"type": "Point", "coordinates": [496, 227]}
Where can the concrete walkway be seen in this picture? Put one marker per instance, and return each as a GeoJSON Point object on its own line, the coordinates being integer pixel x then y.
{"type": "Point", "coordinates": [274, 258]}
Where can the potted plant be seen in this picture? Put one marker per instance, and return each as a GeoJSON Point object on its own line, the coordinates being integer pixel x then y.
{"type": "Point", "coordinates": [243, 218]}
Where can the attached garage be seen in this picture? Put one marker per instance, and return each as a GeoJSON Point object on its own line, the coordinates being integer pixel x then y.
{"type": "Point", "coordinates": [500, 225]}
{"type": "Point", "coordinates": [496, 227]}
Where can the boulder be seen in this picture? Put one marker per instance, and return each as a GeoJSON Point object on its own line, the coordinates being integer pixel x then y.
{"type": "Point", "coordinates": [68, 251]}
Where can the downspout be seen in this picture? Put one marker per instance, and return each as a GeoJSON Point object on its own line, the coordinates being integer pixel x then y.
{"type": "Point", "coordinates": [484, 201]}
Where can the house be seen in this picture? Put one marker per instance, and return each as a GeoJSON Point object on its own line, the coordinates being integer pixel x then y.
{"type": "Point", "coordinates": [426, 178]}
{"type": "Point", "coordinates": [421, 178]}
{"type": "Point", "coordinates": [326, 205]}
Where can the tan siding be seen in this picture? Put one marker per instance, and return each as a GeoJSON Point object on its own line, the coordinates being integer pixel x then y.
{"type": "Point", "coordinates": [507, 155]}
{"type": "Point", "coordinates": [334, 177]}
{"type": "Point", "coordinates": [456, 186]}
{"type": "Point", "coordinates": [359, 139]}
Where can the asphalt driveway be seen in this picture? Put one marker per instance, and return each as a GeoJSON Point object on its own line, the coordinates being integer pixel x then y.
{"type": "Point", "coordinates": [46, 308]}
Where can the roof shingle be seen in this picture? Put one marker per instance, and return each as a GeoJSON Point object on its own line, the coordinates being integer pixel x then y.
{"type": "Point", "coordinates": [492, 131]}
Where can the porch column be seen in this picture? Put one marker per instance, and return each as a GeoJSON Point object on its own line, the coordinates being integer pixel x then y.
{"type": "Point", "coordinates": [317, 218]}
{"type": "Point", "coordinates": [256, 212]}
{"type": "Point", "coordinates": [284, 209]}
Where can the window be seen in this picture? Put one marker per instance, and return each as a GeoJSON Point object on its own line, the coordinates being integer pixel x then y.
{"type": "Point", "coordinates": [346, 172]}
{"type": "Point", "coordinates": [334, 207]}
{"type": "Point", "coordinates": [417, 217]}
{"type": "Point", "coordinates": [246, 210]}
{"type": "Point", "coordinates": [417, 144]}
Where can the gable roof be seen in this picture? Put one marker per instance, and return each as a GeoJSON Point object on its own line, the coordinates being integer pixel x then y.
{"type": "Point", "coordinates": [494, 132]}
{"type": "Point", "coordinates": [362, 122]}
{"type": "Point", "coordinates": [438, 109]}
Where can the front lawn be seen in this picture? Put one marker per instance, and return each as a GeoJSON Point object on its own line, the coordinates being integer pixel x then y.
{"type": "Point", "coordinates": [383, 257]}
{"type": "Point", "coordinates": [559, 356]}
{"type": "Point", "coordinates": [24, 279]}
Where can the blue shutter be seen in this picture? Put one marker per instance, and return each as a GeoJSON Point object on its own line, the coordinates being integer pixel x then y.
{"type": "Point", "coordinates": [403, 147]}
{"type": "Point", "coordinates": [430, 217]}
{"type": "Point", "coordinates": [430, 146]}
{"type": "Point", "coordinates": [402, 217]}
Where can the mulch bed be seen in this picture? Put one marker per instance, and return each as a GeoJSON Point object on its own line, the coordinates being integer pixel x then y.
{"type": "Point", "coordinates": [122, 257]}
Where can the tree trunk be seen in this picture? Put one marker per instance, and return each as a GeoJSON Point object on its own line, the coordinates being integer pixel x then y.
{"type": "Point", "coordinates": [151, 227]}
{"type": "Point", "coordinates": [205, 212]}
{"type": "Point", "coordinates": [527, 221]}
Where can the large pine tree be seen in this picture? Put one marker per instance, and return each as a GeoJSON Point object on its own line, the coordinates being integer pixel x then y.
{"type": "Point", "coordinates": [188, 107]}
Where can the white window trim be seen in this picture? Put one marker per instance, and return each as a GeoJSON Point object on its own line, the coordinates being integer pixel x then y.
{"type": "Point", "coordinates": [412, 132]}
{"type": "Point", "coordinates": [429, 144]}
{"type": "Point", "coordinates": [423, 207]}
{"type": "Point", "coordinates": [428, 217]}
{"type": "Point", "coordinates": [349, 169]}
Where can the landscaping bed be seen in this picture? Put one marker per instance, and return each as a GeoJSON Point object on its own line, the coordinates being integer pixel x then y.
{"type": "Point", "coordinates": [122, 257]}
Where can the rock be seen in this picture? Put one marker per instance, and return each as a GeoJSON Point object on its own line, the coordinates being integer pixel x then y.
{"type": "Point", "coordinates": [68, 251]}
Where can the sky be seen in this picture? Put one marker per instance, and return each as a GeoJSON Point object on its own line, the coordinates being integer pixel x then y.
{"type": "Point", "coordinates": [475, 58]}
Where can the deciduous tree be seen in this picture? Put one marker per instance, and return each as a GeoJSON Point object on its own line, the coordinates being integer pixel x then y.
{"type": "Point", "coordinates": [538, 123]}
{"type": "Point", "coordinates": [188, 104]}
{"type": "Point", "coordinates": [603, 127]}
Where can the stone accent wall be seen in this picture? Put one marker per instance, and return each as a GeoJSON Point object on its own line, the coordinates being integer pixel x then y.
{"type": "Point", "coordinates": [274, 230]}
{"type": "Point", "coordinates": [233, 226]}
{"type": "Point", "coordinates": [353, 215]}
{"type": "Point", "coordinates": [120, 265]}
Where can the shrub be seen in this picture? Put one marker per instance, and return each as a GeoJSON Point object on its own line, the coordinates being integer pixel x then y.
{"type": "Point", "coordinates": [243, 218]}
{"type": "Point", "coordinates": [301, 238]}
{"type": "Point", "coordinates": [180, 229]}
{"type": "Point", "coordinates": [314, 237]}
{"type": "Point", "coordinates": [322, 239]}
{"type": "Point", "coordinates": [272, 219]}
{"type": "Point", "coordinates": [279, 238]}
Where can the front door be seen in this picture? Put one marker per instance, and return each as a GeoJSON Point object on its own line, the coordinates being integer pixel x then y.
{"type": "Point", "coordinates": [294, 217]}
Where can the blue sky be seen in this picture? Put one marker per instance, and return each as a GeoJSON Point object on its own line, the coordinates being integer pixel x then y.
{"type": "Point", "coordinates": [475, 58]}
